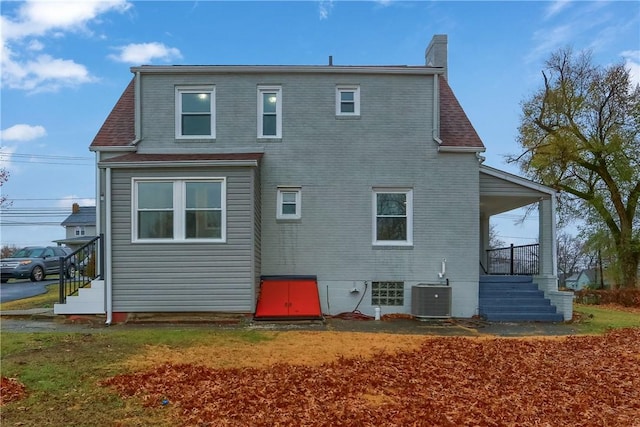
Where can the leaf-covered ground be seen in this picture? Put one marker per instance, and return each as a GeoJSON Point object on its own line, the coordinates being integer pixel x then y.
{"type": "Point", "coordinates": [573, 381]}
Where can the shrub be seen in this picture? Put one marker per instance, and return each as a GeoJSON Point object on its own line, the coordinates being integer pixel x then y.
{"type": "Point", "coordinates": [626, 297]}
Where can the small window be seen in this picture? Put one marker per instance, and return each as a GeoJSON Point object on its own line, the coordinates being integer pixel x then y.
{"type": "Point", "coordinates": [348, 100]}
{"type": "Point", "coordinates": [179, 210]}
{"type": "Point", "coordinates": [387, 293]}
{"type": "Point", "coordinates": [269, 112]}
{"type": "Point", "coordinates": [80, 231]}
{"type": "Point", "coordinates": [289, 203]}
{"type": "Point", "coordinates": [393, 217]}
{"type": "Point", "coordinates": [195, 113]}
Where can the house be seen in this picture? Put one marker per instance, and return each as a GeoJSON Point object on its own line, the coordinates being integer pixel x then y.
{"type": "Point", "coordinates": [365, 180]}
{"type": "Point", "coordinates": [585, 278]}
{"type": "Point", "coordinates": [80, 226]}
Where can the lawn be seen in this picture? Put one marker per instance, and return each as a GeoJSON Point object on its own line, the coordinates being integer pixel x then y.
{"type": "Point", "coordinates": [169, 376]}
{"type": "Point", "coordinates": [45, 300]}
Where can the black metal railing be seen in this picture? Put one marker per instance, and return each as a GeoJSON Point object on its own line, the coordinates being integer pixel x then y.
{"type": "Point", "coordinates": [514, 260]}
{"type": "Point", "coordinates": [79, 268]}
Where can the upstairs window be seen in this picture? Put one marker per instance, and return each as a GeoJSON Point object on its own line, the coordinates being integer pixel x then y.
{"type": "Point", "coordinates": [289, 203]}
{"type": "Point", "coordinates": [393, 217]}
{"type": "Point", "coordinates": [348, 100]}
{"type": "Point", "coordinates": [269, 112]}
{"type": "Point", "coordinates": [80, 231]}
{"type": "Point", "coordinates": [195, 112]}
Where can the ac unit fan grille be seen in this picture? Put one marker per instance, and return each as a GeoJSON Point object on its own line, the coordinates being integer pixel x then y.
{"type": "Point", "coordinates": [431, 301]}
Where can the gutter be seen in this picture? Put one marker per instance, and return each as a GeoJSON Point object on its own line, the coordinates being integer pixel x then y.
{"type": "Point", "coordinates": [436, 111]}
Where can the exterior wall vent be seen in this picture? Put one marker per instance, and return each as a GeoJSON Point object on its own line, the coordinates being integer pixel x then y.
{"type": "Point", "coordinates": [430, 301]}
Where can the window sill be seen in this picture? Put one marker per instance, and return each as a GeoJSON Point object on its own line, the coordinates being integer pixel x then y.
{"type": "Point", "coordinates": [387, 247]}
{"type": "Point", "coordinates": [203, 139]}
{"type": "Point", "coordinates": [177, 242]}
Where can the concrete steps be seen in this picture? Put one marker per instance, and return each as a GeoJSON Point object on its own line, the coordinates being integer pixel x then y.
{"type": "Point", "coordinates": [88, 301]}
{"type": "Point", "coordinates": [514, 299]}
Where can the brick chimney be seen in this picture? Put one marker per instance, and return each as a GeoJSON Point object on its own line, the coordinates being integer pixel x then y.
{"type": "Point", "coordinates": [75, 208]}
{"type": "Point", "coordinates": [436, 53]}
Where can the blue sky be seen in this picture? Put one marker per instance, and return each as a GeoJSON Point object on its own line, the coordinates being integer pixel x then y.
{"type": "Point", "coordinates": [64, 65]}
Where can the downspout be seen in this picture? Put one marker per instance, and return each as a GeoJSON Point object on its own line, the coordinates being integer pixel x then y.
{"type": "Point", "coordinates": [436, 110]}
{"type": "Point", "coordinates": [107, 247]}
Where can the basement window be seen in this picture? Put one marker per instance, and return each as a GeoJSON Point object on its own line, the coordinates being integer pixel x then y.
{"type": "Point", "coordinates": [387, 293]}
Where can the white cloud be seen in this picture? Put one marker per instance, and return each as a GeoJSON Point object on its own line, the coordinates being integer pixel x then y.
{"type": "Point", "coordinates": [24, 64]}
{"type": "Point", "coordinates": [555, 7]}
{"type": "Point", "coordinates": [632, 61]}
{"type": "Point", "coordinates": [145, 53]}
{"type": "Point", "coordinates": [37, 18]}
{"type": "Point", "coordinates": [325, 7]}
{"type": "Point", "coordinates": [22, 132]}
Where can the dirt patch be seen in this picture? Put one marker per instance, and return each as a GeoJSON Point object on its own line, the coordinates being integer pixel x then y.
{"type": "Point", "coordinates": [296, 348]}
{"type": "Point", "coordinates": [301, 379]}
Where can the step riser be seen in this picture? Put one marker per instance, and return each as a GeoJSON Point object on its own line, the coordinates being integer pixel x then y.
{"type": "Point", "coordinates": [502, 279]}
{"type": "Point", "coordinates": [508, 287]}
{"type": "Point", "coordinates": [513, 302]}
{"type": "Point", "coordinates": [520, 317]}
{"type": "Point", "coordinates": [520, 309]}
{"type": "Point", "coordinates": [512, 295]}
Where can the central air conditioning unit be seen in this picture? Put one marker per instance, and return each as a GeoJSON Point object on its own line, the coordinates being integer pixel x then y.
{"type": "Point", "coordinates": [430, 301]}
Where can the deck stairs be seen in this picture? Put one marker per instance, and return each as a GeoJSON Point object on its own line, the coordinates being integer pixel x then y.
{"type": "Point", "coordinates": [514, 299]}
{"type": "Point", "coordinates": [89, 300]}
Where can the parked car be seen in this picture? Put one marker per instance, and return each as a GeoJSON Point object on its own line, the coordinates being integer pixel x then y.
{"type": "Point", "coordinates": [35, 263]}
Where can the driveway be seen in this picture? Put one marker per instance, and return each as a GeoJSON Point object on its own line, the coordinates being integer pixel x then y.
{"type": "Point", "coordinates": [19, 289]}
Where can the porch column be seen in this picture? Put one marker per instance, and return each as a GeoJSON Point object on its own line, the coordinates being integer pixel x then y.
{"type": "Point", "coordinates": [484, 241]}
{"type": "Point", "coordinates": [547, 237]}
{"type": "Point", "coordinates": [547, 278]}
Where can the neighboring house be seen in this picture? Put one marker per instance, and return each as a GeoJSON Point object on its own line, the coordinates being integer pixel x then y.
{"type": "Point", "coordinates": [367, 179]}
{"type": "Point", "coordinates": [80, 226]}
{"type": "Point", "coordinates": [587, 277]}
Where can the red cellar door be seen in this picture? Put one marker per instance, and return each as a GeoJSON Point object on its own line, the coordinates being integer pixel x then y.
{"type": "Point", "coordinates": [288, 297]}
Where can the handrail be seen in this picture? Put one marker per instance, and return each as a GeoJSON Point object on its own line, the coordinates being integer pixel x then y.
{"type": "Point", "coordinates": [514, 260]}
{"type": "Point", "coordinates": [79, 268]}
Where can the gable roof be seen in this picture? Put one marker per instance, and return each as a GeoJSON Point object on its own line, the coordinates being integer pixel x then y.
{"type": "Point", "coordinates": [86, 215]}
{"type": "Point", "coordinates": [455, 128]}
{"type": "Point", "coordinates": [118, 130]}
{"type": "Point", "coordinates": [456, 131]}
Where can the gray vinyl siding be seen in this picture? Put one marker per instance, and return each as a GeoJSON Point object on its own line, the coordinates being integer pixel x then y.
{"type": "Point", "coordinates": [185, 276]}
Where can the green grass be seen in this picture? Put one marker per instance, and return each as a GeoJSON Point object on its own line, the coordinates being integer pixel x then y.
{"type": "Point", "coordinates": [45, 300]}
{"type": "Point", "coordinates": [597, 320]}
{"type": "Point", "coordinates": [62, 372]}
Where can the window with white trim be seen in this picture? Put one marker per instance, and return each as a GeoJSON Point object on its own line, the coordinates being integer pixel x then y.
{"type": "Point", "coordinates": [179, 210]}
{"type": "Point", "coordinates": [195, 112]}
{"type": "Point", "coordinates": [393, 217]}
{"type": "Point", "coordinates": [289, 203]}
{"type": "Point", "coordinates": [269, 112]}
{"type": "Point", "coordinates": [348, 100]}
{"type": "Point", "coordinates": [80, 231]}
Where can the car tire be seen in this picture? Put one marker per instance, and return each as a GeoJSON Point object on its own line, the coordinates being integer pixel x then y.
{"type": "Point", "coordinates": [37, 274]}
{"type": "Point", "coordinates": [71, 271]}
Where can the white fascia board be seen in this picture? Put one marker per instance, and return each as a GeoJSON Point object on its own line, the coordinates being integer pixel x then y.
{"type": "Point", "coordinates": [517, 180]}
{"type": "Point", "coordinates": [116, 148]}
{"type": "Point", "coordinates": [289, 69]}
{"type": "Point", "coordinates": [447, 149]}
{"type": "Point", "coordinates": [179, 164]}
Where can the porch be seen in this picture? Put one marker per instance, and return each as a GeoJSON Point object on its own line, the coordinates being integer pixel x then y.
{"type": "Point", "coordinates": [502, 192]}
